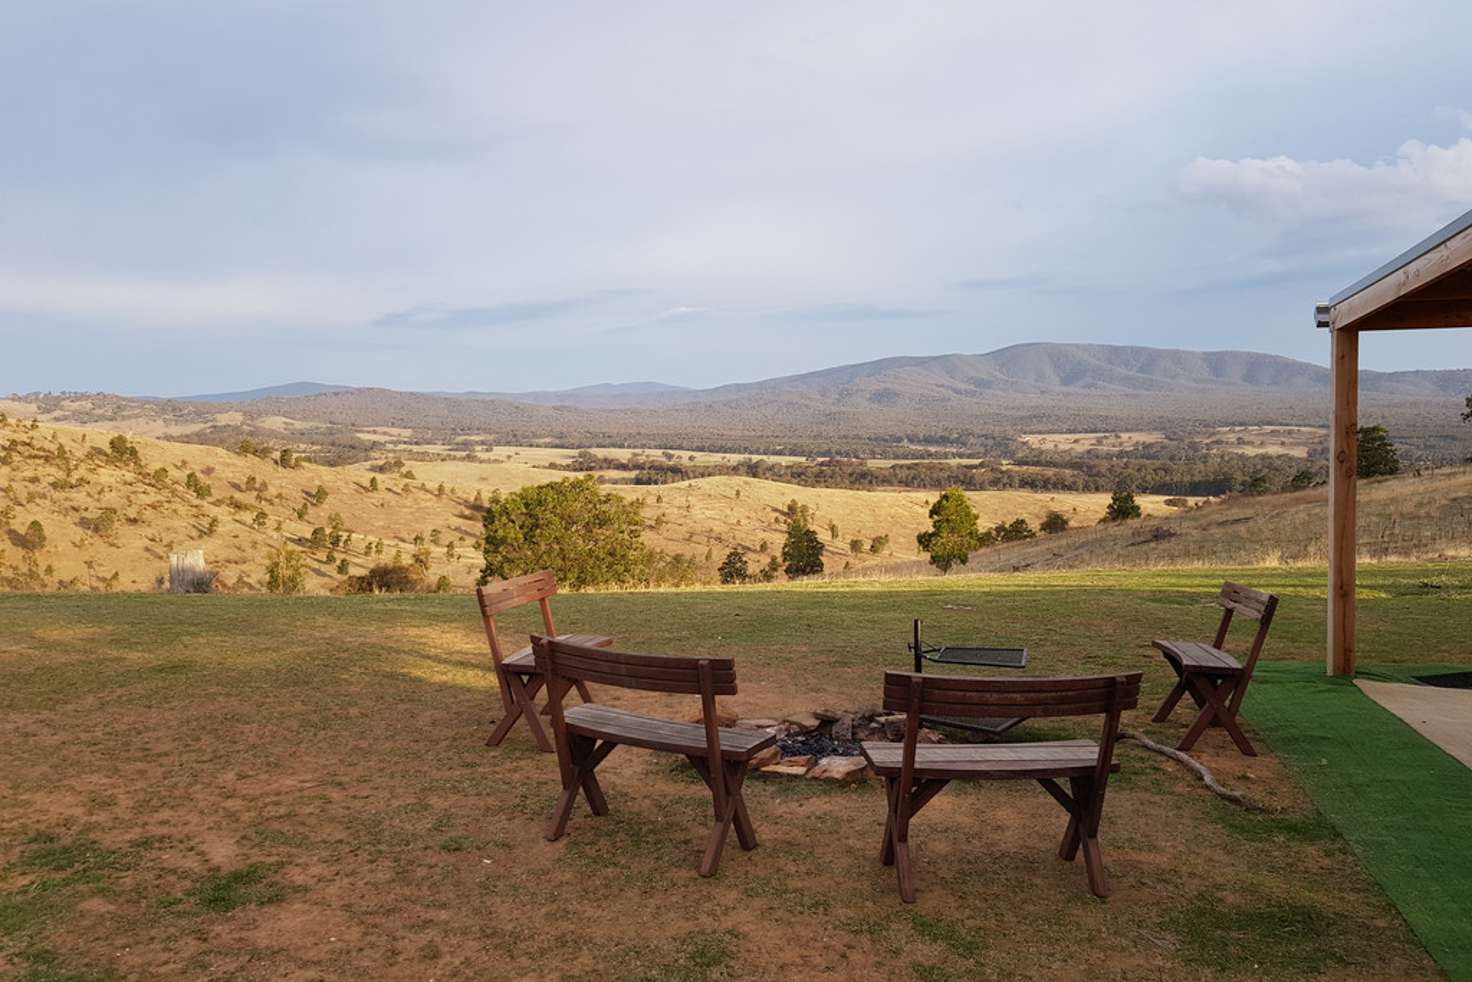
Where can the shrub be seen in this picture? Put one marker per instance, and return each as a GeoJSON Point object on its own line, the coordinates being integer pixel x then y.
{"type": "Point", "coordinates": [285, 571]}
{"type": "Point", "coordinates": [1183, 503]}
{"type": "Point", "coordinates": [201, 489]}
{"type": "Point", "coordinates": [733, 568]}
{"type": "Point", "coordinates": [856, 546]}
{"type": "Point", "coordinates": [878, 544]}
{"type": "Point", "coordinates": [34, 537]}
{"type": "Point", "coordinates": [387, 578]}
{"type": "Point", "coordinates": [1054, 522]}
{"type": "Point", "coordinates": [319, 538]}
{"type": "Point", "coordinates": [123, 451]}
{"type": "Point", "coordinates": [1122, 507]}
{"type": "Point", "coordinates": [586, 536]}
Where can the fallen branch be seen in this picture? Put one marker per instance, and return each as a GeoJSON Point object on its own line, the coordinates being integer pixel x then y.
{"type": "Point", "coordinates": [1235, 797]}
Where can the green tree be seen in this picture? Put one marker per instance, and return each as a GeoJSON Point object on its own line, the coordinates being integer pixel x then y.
{"type": "Point", "coordinates": [1053, 523]}
{"type": "Point", "coordinates": [1377, 457]}
{"type": "Point", "coordinates": [319, 538]}
{"type": "Point", "coordinates": [953, 535]}
{"type": "Point", "coordinates": [769, 572]}
{"type": "Point", "coordinates": [373, 483]}
{"type": "Point", "coordinates": [802, 551]}
{"type": "Point", "coordinates": [123, 451]}
{"type": "Point", "coordinates": [161, 475]}
{"type": "Point", "coordinates": [286, 458]}
{"type": "Point", "coordinates": [34, 537]}
{"type": "Point", "coordinates": [586, 536]}
{"type": "Point", "coordinates": [833, 531]}
{"type": "Point", "coordinates": [856, 546]}
{"type": "Point", "coordinates": [1122, 507]}
{"type": "Point", "coordinates": [285, 571]}
{"type": "Point", "coordinates": [260, 520]}
{"type": "Point", "coordinates": [200, 488]}
{"type": "Point", "coordinates": [320, 495]}
{"type": "Point", "coordinates": [1467, 416]}
{"type": "Point", "coordinates": [878, 544]}
{"type": "Point", "coordinates": [733, 568]}
{"type": "Point", "coordinates": [342, 568]}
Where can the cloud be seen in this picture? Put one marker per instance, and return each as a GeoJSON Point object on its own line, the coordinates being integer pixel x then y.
{"type": "Point", "coordinates": [438, 318]}
{"type": "Point", "coordinates": [859, 312]}
{"type": "Point", "coordinates": [990, 284]}
{"type": "Point", "coordinates": [1422, 185]}
{"type": "Point", "coordinates": [124, 301]}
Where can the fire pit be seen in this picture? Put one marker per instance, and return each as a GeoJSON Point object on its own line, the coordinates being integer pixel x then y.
{"type": "Point", "coordinates": [825, 744]}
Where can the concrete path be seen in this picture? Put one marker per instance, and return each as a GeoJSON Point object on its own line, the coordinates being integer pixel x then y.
{"type": "Point", "coordinates": [1443, 716]}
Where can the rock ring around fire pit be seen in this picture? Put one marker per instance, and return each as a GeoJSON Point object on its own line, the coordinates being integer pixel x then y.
{"type": "Point", "coordinates": [824, 745]}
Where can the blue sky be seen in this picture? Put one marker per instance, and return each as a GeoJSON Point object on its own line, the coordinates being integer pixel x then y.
{"type": "Point", "coordinates": [197, 197]}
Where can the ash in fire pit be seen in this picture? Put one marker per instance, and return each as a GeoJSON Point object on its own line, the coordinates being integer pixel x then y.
{"type": "Point", "coordinates": [825, 743]}
{"type": "Point", "coordinates": [816, 744]}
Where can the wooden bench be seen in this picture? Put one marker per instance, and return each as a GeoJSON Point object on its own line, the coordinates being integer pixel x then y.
{"type": "Point", "coordinates": [914, 774]}
{"type": "Point", "coordinates": [587, 734]}
{"type": "Point", "coordinates": [1213, 679]}
{"type": "Point", "coordinates": [517, 674]}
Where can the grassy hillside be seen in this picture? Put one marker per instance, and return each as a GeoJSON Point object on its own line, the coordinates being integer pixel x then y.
{"type": "Point", "coordinates": [1408, 517]}
{"type": "Point", "coordinates": [266, 788]}
{"type": "Point", "coordinates": [67, 479]}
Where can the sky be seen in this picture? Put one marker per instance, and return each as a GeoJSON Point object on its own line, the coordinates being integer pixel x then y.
{"type": "Point", "coordinates": [495, 196]}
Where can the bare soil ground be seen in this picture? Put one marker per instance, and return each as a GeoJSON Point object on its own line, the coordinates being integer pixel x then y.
{"type": "Point", "coordinates": [264, 788]}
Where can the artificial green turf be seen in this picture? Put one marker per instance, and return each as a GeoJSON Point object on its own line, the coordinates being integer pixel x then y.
{"type": "Point", "coordinates": [1403, 803]}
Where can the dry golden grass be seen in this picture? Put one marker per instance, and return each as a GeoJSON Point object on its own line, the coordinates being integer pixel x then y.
{"type": "Point", "coordinates": [1294, 440]}
{"type": "Point", "coordinates": [702, 518]}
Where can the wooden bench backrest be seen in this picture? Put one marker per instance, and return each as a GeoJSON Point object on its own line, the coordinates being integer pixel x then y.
{"type": "Point", "coordinates": [650, 673]}
{"type": "Point", "coordinates": [564, 663]}
{"type": "Point", "coordinates": [949, 695]}
{"type": "Point", "coordinates": [499, 596]}
{"type": "Point", "coordinates": [1238, 599]}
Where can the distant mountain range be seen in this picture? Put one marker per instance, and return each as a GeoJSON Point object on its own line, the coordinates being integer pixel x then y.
{"type": "Point", "coordinates": [1037, 369]}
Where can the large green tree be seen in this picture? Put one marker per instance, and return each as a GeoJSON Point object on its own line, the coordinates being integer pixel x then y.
{"type": "Point", "coordinates": [953, 534]}
{"type": "Point", "coordinates": [586, 536]}
{"type": "Point", "coordinates": [1377, 457]}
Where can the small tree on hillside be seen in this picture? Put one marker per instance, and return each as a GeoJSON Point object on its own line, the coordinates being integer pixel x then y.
{"type": "Point", "coordinates": [856, 546]}
{"type": "Point", "coordinates": [733, 568]}
{"type": "Point", "coordinates": [1467, 416]}
{"type": "Point", "coordinates": [802, 551]}
{"type": "Point", "coordinates": [34, 537]}
{"type": "Point", "coordinates": [285, 571]}
{"type": "Point", "coordinates": [286, 458]}
{"type": "Point", "coordinates": [833, 531]}
{"type": "Point", "coordinates": [320, 495]}
{"type": "Point", "coordinates": [1377, 457]}
{"type": "Point", "coordinates": [1054, 523]}
{"type": "Point", "coordinates": [1122, 507]}
{"type": "Point", "coordinates": [953, 534]}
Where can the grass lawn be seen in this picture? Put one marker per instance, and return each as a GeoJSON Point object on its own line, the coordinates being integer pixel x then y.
{"type": "Point", "coordinates": [243, 787]}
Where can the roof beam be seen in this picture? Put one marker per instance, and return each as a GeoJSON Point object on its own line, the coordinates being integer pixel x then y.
{"type": "Point", "coordinates": [1421, 272]}
{"type": "Point", "coordinates": [1409, 314]}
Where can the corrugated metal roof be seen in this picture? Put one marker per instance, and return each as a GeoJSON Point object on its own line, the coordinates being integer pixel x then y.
{"type": "Point", "coordinates": [1410, 255]}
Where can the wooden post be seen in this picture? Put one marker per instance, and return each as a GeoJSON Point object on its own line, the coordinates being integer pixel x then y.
{"type": "Point", "coordinates": [1343, 466]}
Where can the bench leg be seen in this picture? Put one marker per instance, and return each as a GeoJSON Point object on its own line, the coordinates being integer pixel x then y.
{"type": "Point", "coordinates": [733, 776]}
{"type": "Point", "coordinates": [523, 696]}
{"type": "Point", "coordinates": [1068, 849]}
{"type": "Point", "coordinates": [585, 755]}
{"type": "Point", "coordinates": [1094, 866]}
{"type": "Point", "coordinates": [745, 831]}
{"type": "Point", "coordinates": [896, 849]}
{"type": "Point", "coordinates": [886, 852]}
{"type": "Point", "coordinates": [1212, 693]}
{"type": "Point", "coordinates": [1166, 708]}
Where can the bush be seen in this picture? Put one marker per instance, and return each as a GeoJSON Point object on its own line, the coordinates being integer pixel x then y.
{"type": "Point", "coordinates": [1055, 522]}
{"type": "Point", "coordinates": [856, 546]}
{"type": "Point", "coordinates": [123, 451]}
{"type": "Point", "coordinates": [285, 571]}
{"type": "Point", "coordinates": [34, 537]}
{"type": "Point", "coordinates": [878, 544]}
{"type": "Point", "coordinates": [733, 568]}
{"type": "Point", "coordinates": [387, 578]}
{"type": "Point", "coordinates": [200, 488]}
{"type": "Point", "coordinates": [586, 536]}
{"type": "Point", "coordinates": [1122, 507]}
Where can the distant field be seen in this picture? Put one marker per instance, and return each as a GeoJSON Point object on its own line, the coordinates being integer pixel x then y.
{"type": "Point", "coordinates": [266, 788]}
{"type": "Point", "coordinates": [1294, 440]}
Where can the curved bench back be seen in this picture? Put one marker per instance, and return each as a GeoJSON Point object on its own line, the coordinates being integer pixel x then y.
{"type": "Point", "coordinates": [650, 673]}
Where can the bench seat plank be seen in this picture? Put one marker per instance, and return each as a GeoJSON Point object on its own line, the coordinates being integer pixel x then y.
{"type": "Point", "coordinates": [1202, 657]}
{"type": "Point", "coordinates": [1053, 758]}
{"type": "Point", "coordinates": [637, 730]}
{"type": "Point", "coordinates": [524, 661]}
